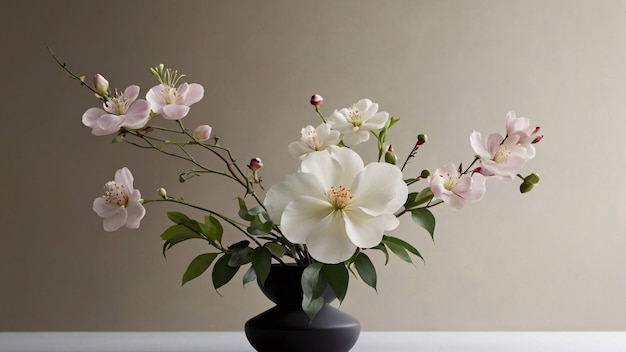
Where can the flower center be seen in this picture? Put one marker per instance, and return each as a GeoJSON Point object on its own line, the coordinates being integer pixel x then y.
{"type": "Point", "coordinates": [339, 197]}
{"type": "Point", "coordinates": [118, 105]}
{"type": "Point", "coordinates": [449, 182]}
{"type": "Point", "coordinates": [502, 155]}
{"type": "Point", "coordinates": [312, 141]}
{"type": "Point", "coordinates": [355, 117]}
{"type": "Point", "coordinates": [116, 194]}
{"type": "Point", "coordinates": [169, 95]}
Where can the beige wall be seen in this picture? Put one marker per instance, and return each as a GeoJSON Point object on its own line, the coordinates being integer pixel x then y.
{"type": "Point", "coordinates": [552, 259]}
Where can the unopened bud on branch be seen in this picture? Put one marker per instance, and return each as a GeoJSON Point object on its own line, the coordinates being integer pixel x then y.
{"type": "Point", "coordinates": [317, 100]}
{"type": "Point", "coordinates": [255, 164]}
{"type": "Point", "coordinates": [421, 139]}
{"type": "Point", "coordinates": [100, 85]}
{"type": "Point", "coordinates": [425, 173]}
{"type": "Point", "coordinates": [162, 192]}
{"type": "Point", "coordinates": [202, 132]}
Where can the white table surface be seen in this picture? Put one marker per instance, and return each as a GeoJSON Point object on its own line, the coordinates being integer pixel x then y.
{"type": "Point", "coordinates": [368, 342]}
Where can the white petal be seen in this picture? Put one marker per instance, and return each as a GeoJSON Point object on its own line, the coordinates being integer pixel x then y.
{"type": "Point", "coordinates": [351, 165]}
{"type": "Point", "coordinates": [195, 93]}
{"type": "Point", "coordinates": [477, 145]}
{"type": "Point", "coordinates": [294, 186]}
{"type": "Point", "coordinates": [325, 168]}
{"type": "Point", "coordinates": [138, 114]}
{"type": "Point", "coordinates": [91, 116]}
{"type": "Point", "coordinates": [103, 208]}
{"type": "Point", "coordinates": [117, 220]}
{"type": "Point", "coordinates": [329, 243]}
{"type": "Point", "coordinates": [135, 210]}
{"type": "Point", "coordinates": [351, 139]}
{"type": "Point", "coordinates": [298, 149]}
{"type": "Point", "coordinates": [124, 177]}
{"type": "Point", "coordinates": [302, 216]}
{"type": "Point", "coordinates": [364, 230]}
{"type": "Point", "coordinates": [376, 122]}
{"type": "Point", "coordinates": [378, 187]}
{"type": "Point", "coordinates": [131, 92]}
{"type": "Point", "coordinates": [155, 98]}
{"type": "Point", "coordinates": [175, 112]}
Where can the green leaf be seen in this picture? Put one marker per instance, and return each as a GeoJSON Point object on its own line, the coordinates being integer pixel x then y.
{"type": "Point", "coordinates": [410, 199]}
{"type": "Point", "coordinates": [262, 263]}
{"type": "Point", "coordinates": [276, 249]}
{"type": "Point", "coordinates": [424, 196]}
{"type": "Point", "coordinates": [249, 276]}
{"type": "Point", "coordinates": [366, 269]}
{"type": "Point", "coordinates": [424, 218]}
{"type": "Point", "coordinates": [399, 251]}
{"type": "Point", "coordinates": [214, 229]}
{"type": "Point", "coordinates": [198, 266]}
{"type": "Point", "coordinates": [243, 210]}
{"type": "Point", "coordinates": [241, 257]}
{"type": "Point", "coordinates": [404, 244]}
{"type": "Point", "coordinates": [256, 210]}
{"type": "Point", "coordinates": [337, 277]}
{"type": "Point", "coordinates": [177, 232]}
{"type": "Point", "coordinates": [178, 218]}
{"type": "Point", "coordinates": [239, 245]}
{"type": "Point", "coordinates": [222, 272]}
{"type": "Point", "coordinates": [313, 285]}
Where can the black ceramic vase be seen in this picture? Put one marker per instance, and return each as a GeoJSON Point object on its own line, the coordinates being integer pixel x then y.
{"type": "Point", "coordinates": [286, 327]}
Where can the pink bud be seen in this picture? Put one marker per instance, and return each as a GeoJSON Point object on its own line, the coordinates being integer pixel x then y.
{"type": "Point", "coordinates": [317, 100]}
{"type": "Point", "coordinates": [255, 164]}
{"type": "Point", "coordinates": [101, 85]}
{"type": "Point", "coordinates": [537, 139]}
{"type": "Point", "coordinates": [202, 132]}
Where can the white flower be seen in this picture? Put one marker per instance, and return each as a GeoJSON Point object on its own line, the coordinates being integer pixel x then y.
{"type": "Point", "coordinates": [121, 110]}
{"type": "Point", "coordinates": [456, 189]}
{"type": "Point", "coordinates": [335, 204]}
{"type": "Point", "coordinates": [356, 122]}
{"type": "Point", "coordinates": [120, 204]}
{"type": "Point", "coordinates": [173, 103]}
{"type": "Point", "coordinates": [313, 140]}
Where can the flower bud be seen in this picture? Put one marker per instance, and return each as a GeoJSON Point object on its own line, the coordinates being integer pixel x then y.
{"type": "Point", "coordinates": [532, 178]}
{"type": "Point", "coordinates": [317, 100]}
{"type": "Point", "coordinates": [162, 192]}
{"type": "Point", "coordinates": [421, 139]}
{"type": "Point", "coordinates": [100, 84]}
{"type": "Point", "coordinates": [202, 132]}
{"type": "Point", "coordinates": [182, 178]}
{"type": "Point", "coordinates": [526, 187]}
{"type": "Point", "coordinates": [391, 158]}
{"type": "Point", "coordinates": [255, 164]}
{"type": "Point", "coordinates": [425, 173]}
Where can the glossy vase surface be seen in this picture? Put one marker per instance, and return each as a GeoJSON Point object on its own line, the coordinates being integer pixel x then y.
{"type": "Point", "coordinates": [286, 327]}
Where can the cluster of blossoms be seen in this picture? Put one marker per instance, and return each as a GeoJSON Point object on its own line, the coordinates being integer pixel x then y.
{"type": "Point", "coordinates": [327, 213]}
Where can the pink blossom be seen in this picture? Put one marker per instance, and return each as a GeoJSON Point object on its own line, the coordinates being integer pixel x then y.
{"type": "Point", "coordinates": [173, 103]}
{"type": "Point", "coordinates": [121, 110]}
{"type": "Point", "coordinates": [528, 135]}
{"type": "Point", "coordinates": [498, 155]}
{"type": "Point", "coordinates": [455, 189]}
{"type": "Point", "coordinates": [121, 204]}
{"type": "Point", "coordinates": [317, 100]}
{"type": "Point", "coordinates": [255, 164]}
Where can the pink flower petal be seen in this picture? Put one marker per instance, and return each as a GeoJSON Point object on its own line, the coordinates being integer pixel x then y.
{"type": "Point", "coordinates": [175, 112]}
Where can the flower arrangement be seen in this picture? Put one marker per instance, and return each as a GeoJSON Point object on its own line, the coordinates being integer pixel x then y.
{"type": "Point", "coordinates": [326, 215]}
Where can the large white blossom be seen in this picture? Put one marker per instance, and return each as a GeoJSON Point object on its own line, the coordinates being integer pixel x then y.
{"type": "Point", "coordinates": [173, 103]}
{"type": "Point", "coordinates": [335, 204]}
{"type": "Point", "coordinates": [356, 122]}
{"type": "Point", "coordinates": [455, 189]}
{"type": "Point", "coordinates": [121, 203]}
{"type": "Point", "coordinates": [120, 110]}
{"type": "Point", "coordinates": [314, 139]}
